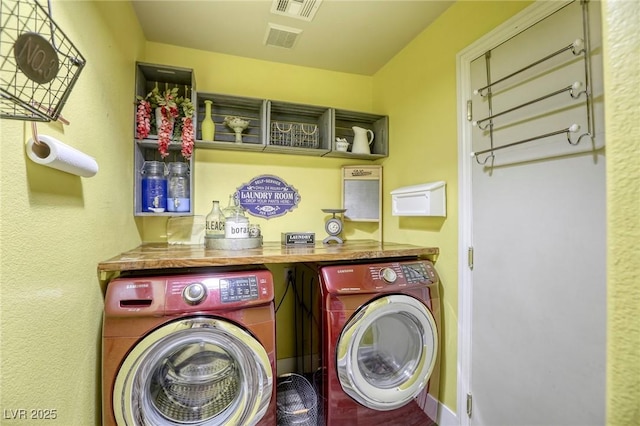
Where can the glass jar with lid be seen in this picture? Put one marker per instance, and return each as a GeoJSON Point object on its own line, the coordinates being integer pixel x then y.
{"type": "Point", "coordinates": [154, 187]}
{"type": "Point", "coordinates": [179, 199]}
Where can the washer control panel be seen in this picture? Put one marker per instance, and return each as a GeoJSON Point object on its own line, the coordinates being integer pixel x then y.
{"type": "Point", "coordinates": [238, 289]}
{"type": "Point", "coordinates": [189, 292]}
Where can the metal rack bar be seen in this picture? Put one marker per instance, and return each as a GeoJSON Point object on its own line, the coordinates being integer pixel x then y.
{"type": "Point", "coordinates": [571, 88]}
{"type": "Point", "coordinates": [487, 64]}
{"type": "Point", "coordinates": [577, 47]}
{"type": "Point", "coordinates": [571, 129]}
{"type": "Point", "coordinates": [587, 67]}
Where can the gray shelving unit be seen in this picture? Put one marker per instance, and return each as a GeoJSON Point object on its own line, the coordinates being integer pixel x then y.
{"type": "Point", "coordinates": [341, 127]}
{"type": "Point", "coordinates": [147, 75]}
{"type": "Point", "coordinates": [298, 129]}
{"type": "Point", "coordinates": [274, 127]}
{"type": "Point", "coordinates": [251, 109]}
{"type": "Point", "coordinates": [289, 128]}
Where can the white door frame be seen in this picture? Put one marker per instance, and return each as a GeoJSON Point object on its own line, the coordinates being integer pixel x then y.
{"type": "Point", "coordinates": [518, 23]}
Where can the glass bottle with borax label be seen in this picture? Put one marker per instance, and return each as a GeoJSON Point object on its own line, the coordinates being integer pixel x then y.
{"type": "Point", "coordinates": [215, 222]}
{"type": "Point", "coordinates": [236, 223]}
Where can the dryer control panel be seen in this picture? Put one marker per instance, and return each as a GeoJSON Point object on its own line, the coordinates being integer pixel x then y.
{"type": "Point", "coordinates": [377, 277]}
{"type": "Point", "coordinates": [418, 272]}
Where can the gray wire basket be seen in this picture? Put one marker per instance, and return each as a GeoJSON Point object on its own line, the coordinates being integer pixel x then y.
{"type": "Point", "coordinates": [297, 401]}
{"type": "Point", "coordinates": [38, 63]}
{"type": "Point", "coordinates": [301, 135]}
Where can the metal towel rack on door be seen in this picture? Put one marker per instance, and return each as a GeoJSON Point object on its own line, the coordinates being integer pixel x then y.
{"type": "Point", "coordinates": [578, 47]}
{"type": "Point", "coordinates": [571, 89]}
{"type": "Point", "coordinates": [571, 129]}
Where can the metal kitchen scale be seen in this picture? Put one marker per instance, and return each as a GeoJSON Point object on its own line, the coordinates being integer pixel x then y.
{"type": "Point", "coordinates": [333, 226]}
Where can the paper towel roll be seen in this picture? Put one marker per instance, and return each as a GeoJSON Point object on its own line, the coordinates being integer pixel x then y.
{"type": "Point", "coordinates": [51, 152]}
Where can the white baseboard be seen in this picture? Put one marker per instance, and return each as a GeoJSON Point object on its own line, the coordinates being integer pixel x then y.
{"type": "Point", "coordinates": [446, 417]}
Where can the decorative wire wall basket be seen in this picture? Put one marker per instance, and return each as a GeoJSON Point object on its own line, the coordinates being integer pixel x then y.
{"type": "Point", "coordinates": [302, 135]}
{"type": "Point", "coordinates": [38, 63]}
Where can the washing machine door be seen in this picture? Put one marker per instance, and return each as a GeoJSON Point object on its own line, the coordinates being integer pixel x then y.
{"type": "Point", "coordinates": [387, 351]}
{"type": "Point", "coordinates": [194, 371]}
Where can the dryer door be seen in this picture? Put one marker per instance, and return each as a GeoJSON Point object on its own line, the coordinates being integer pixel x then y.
{"type": "Point", "coordinates": [387, 351]}
{"type": "Point", "coordinates": [198, 371]}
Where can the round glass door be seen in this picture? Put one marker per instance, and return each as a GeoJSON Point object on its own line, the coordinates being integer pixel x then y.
{"type": "Point", "coordinates": [196, 371]}
{"type": "Point", "coordinates": [387, 351]}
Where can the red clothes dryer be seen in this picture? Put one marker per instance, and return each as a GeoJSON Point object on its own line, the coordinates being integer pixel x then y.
{"type": "Point", "coordinates": [379, 343]}
{"type": "Point", "coordinates": [193, 348]}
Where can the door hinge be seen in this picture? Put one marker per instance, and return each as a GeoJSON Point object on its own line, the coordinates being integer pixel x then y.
{"type": "Point", "coordinates": [469, 110]}
{"type": "Point", "coordinates": [470, 258]}
{"type": "Point", "coordinates": [469, 404]}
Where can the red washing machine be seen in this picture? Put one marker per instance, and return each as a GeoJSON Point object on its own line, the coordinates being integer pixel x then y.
{"type": "Point", "coordinates": [196, 348]}
{"type": "Point", "coordinates": [379, 343]}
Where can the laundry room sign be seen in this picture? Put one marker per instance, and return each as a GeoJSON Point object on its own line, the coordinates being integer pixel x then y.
{"type": "Point", "coordinates": [268, 196]}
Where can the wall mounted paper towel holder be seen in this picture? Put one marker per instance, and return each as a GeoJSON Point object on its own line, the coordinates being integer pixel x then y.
{"type": "Point", "coordinates": [48, 151]}
{"type": "Point", "coordinates": [34, 126]}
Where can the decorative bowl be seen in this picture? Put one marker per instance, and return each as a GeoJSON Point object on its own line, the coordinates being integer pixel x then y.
{"type": "Point", "coordinates": [237, 124]}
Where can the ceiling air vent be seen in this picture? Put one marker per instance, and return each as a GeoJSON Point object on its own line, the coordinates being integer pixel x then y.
{"type": "Point", "coordinates": [300, 9]}
{"type": "Point", "coordinates": [281, 36]}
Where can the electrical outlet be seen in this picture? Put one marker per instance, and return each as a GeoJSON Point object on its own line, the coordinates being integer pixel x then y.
{"type": "Point", "coordinates": [288, 271]}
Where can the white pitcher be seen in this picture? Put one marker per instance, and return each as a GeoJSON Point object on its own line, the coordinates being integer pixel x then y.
{"type": "Point", "coordinates": [360, 141]}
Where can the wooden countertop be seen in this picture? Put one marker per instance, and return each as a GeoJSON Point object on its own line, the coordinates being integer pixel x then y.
{"type": "Point", "coordinates": [160, 255]}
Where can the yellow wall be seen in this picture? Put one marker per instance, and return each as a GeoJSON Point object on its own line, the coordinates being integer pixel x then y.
{"type": "Point", "coordinates": [621, 81]}
{"type": "Point", "coordinates": [417, 89]}
{"type": "Point", "coordinates": [56, 227]}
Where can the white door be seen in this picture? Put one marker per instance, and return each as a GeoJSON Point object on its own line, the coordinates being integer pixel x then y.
{"type": "Point", "coordinates": [537, 228]}
{"type": "Point", "coordinates": [197, 371]}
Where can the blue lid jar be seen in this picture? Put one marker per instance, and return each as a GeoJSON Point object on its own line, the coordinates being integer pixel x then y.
{"type": "Point", "coordinates": [154, 187]}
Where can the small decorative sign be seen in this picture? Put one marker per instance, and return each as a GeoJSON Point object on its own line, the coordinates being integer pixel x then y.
{"type": "Point", "coordinates": [268, 196]}
{"type": "Point", "coordinates": [36, 58]}
{"type": "Point", "coordinates": [298, 238]}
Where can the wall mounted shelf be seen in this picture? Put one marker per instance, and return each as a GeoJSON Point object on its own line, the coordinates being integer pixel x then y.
{"type": "Point", "coordinates": [344, 120]}
{"type": "Point", "coordinates": [274, 127]}
{"type": "Point", "coordinates": [288, 128]}
{"type": "Point", "coordinates": [147, 77]}
{"type": "Point", "coordinates": [250, 109]}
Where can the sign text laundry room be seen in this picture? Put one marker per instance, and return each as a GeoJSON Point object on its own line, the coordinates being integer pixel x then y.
{"type": "Point", "coordinates": [268, 196]}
